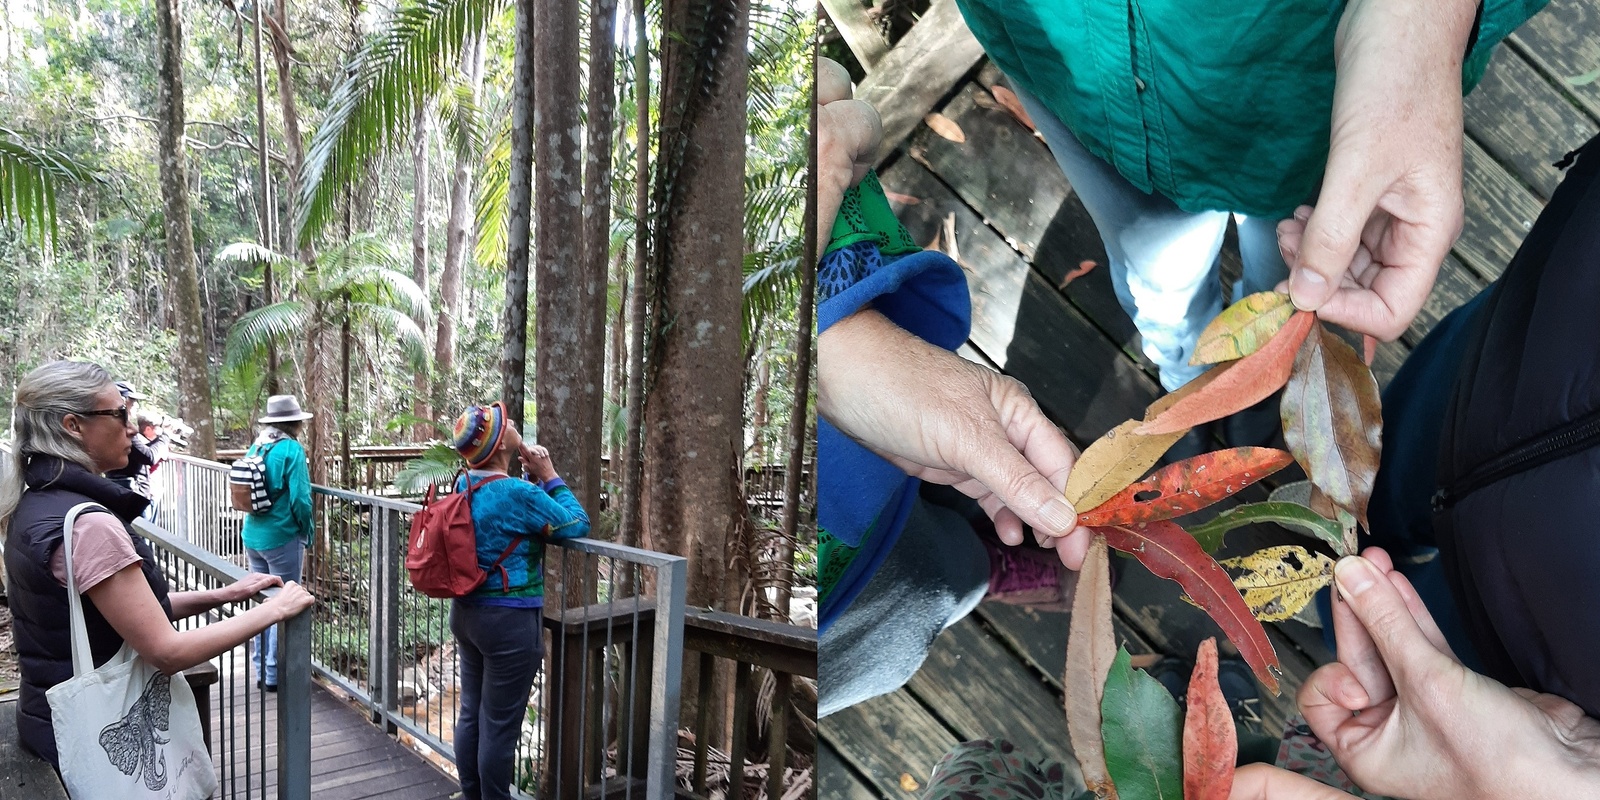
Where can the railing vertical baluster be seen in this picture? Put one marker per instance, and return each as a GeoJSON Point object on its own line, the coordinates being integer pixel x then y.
{"type": "Point", "coordinates": [702, 723]}
{"type": "Point", "coordinates": [778, 747]}
{"type": "Point", "coordinates": [743, 700]}
{"type": "Point", "coordinates": [294, 709]}
{"type": "Point", "coordinates": [389, 579]}
{"type": "Point", "coordinates": [667, 671]}
{"type": "Point", "coordinates": [378, 689]}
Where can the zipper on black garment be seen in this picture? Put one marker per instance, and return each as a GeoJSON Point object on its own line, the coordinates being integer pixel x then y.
{"type": "Point", "coordinates": [1576, 436]}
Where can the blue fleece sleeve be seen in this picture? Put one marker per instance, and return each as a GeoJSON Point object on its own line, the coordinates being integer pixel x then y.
{"type": "Point", "coordinates": [556, 506]}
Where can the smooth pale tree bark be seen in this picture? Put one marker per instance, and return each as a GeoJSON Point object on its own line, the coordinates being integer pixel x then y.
{"type": "Point", "coordinates": [569, 291]}
{"type": "Point", "coordinates": [596, 221]}
{"type": "Point", "coordinates": [458, 240]}
{"type": "Point", "coordinates": [420, 168]}
{"type": "Point", "coordinates": [693, 503]}
{"type": "Point", "coordinates": [264, 176]}
{"type": "Point", "coordinates": [519, 203]}
{"type": "Point", "coordinates": [632, 463]}
{"type": "Point", "coordinates": [194, 374]}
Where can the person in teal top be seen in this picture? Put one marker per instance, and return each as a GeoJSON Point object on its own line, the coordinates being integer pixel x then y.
{"type": "Point", "coordinates": [275, 540]}
{"type": "Point", "coordinates": [499, 627]}
{"type": "Point", "coordinates": [1169, 117]}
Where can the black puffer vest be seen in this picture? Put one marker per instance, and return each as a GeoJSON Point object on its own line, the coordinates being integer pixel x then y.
{"type": "Point", "coordinates": [39, 602]}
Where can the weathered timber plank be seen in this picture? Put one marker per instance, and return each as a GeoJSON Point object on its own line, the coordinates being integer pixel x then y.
{"type": "Point", "coordinates": [1523, 121]}
{"type": "Point", "coordinates": [979, 688]}
{"type": "Point", "coordinates": [918, 72]}
{"type": "Point", "coordinates": [836, 780]}
{"type": "Point", "coordinates": [1040, 637]}
{"type": "Point", "coordinates": [1562, 42]}
{"type": "Point", "coordinates": [860, 35]}
{"type": "Point", "coordinates": [887, 737]}
{"type": "Point", "coordinates": [1021, 324]}
{"type": "Point", "coordinates": [1499, 213]}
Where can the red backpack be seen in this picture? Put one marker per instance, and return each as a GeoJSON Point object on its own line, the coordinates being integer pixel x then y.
{"type": "Point", "coordinates": [442, 555]}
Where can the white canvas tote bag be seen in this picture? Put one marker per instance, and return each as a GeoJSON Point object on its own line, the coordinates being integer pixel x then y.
{"type": "Point", "coordinates": [125, 730]}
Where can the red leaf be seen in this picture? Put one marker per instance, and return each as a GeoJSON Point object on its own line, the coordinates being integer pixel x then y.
{"type": "Point", "coordinates": [1083, 268]}
{"type": "Point", "coordinates": [1168, 551]}
{"type": "Point", "coordinates": [1210, 745]}
{"type": "Point", "coordinates": [1252, 379]}
{"type": "Point", "coordinates": [1187, 486]}
{"type": "Point", "coordinates": [1369, 348]}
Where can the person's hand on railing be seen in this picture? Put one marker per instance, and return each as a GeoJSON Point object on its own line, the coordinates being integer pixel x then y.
{"type": "Point", "coordinates": [289, 602]}
{"type": "Point", "coordinates": [536, 459]}
{"type": "Point", "coordinates": [247, 587]}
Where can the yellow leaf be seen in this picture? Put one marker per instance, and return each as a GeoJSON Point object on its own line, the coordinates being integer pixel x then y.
{"type": "Point", "coordinates": [1242, 328]}
{"type": "Point", "coordinates": [1279, 581]}
{"type": "Point", "coordinates": [1115, 460]}
{"type": "Point", "coordinates": [909, 783]}
{"type": "Point", "coordinates": [946, 127]}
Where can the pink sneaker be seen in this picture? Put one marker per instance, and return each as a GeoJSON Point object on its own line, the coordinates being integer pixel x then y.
{"type": "Point", "coordinates": [1027, 575]}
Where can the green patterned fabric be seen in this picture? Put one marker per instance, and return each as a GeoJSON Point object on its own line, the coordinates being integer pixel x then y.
{"type": "Point", "coordinates": [865, 216]}
{"type": "Point", "coordinates": [833, 558]}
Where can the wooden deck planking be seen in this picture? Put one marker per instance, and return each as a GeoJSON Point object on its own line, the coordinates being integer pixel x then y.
{"type": "Point", "coordinates": [888, 737]}
{"type": "Point", "coordinates": [1561, 41]}
{"type": "Point", "coordinates": [836, 780]}
{"type": "Point", "coordinates": [1525, 122]}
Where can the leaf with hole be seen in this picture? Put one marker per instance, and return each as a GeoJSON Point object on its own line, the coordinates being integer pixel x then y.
{"type": "Point", "coordinates": [1210, 744]}
{"type": "Point", "coordinates": [1143, 733]}
{"type": "Point", "coordinates": [1168, 551]}
{"type": "Point", "coordinates": [1249, 381]}
{"type": "Point", "coordinates": [1293, 516]}
{"type": "Point", "coordinates": [1279, 581]}
{"type": "Point", "coordinates": [1091, 646]}
{"type": "Point", "coordinates": [1242, 328]}
{"type": "Point", "coordinates": [1187, 486]}
{"type": "Point", "coordinates": [945, 127]}
{"type": "Point", "coordinates": [1333, 421]}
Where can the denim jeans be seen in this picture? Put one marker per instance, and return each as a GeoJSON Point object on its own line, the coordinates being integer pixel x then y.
{"type": "Point", "coordinates": [1164, 260]}
{"type": "Point", "coordinates": [284, 562]}
{"type": "Point", "coordinates": [500, 650]}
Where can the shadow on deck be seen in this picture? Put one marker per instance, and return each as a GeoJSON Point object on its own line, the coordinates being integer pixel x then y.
{"type": "Point", "coordinates": [1019, 230]}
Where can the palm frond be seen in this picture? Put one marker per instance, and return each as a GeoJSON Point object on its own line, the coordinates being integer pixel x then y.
{"type": "Point", "coordinates": [383, 286]}
{"type": "Point", "coordinates": [372, 107]}
{"type": "Point", "coordinates": [252, 332]}
{"type": "Point", "coordinates": [435, 467]}
{"type": "Point", "coordinates": [29, 178]}
{"type": "Point", "coordinates": [402, 329]}
{"type": "Point", "coordinates": [770, 282]}
{"type": "Point", "coordinates": [492, 209]}
{"type": "Point", "coordinates": [252, 253]}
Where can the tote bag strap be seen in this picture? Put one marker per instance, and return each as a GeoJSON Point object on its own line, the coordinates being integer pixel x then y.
{"type": "Point", "coordinates": [82, 656]}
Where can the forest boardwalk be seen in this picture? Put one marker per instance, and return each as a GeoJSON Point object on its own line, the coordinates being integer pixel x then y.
{"type": "Point", "coordinates": [1019, 230]}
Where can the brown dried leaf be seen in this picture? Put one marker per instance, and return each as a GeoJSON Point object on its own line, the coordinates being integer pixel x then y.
{"type": "Point", "coordinates": [1008, 100]}
{"type": "Point", "coordinates": [1333, 421]}
{"type": "Point", "coordinates": [945, 127]}
{"type": "Point", "coordinates": [1091, 646]}
{"type": "Point", "coordinates": [1115, 460]}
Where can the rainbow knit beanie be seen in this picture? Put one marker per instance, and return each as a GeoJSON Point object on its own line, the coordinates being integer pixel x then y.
{"type": "Point", "coordinates": [478, 431]}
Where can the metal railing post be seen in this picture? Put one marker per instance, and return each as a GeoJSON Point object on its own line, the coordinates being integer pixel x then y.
{"type": "Point", "coordinates": [388, 580]}
{"type": "Point", "coordinates": [666, 675]}
{"type": "Point", "coordinates": [294, 707]}
{"type": "Point", "coordinates": [377, 688]}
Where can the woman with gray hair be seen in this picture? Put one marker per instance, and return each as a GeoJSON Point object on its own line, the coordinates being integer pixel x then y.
{"type": "Point", "coordinates": [69, 425]}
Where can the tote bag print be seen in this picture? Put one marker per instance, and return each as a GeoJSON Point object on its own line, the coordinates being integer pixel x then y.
{"type": "Point", "coordinates": [126, 730]}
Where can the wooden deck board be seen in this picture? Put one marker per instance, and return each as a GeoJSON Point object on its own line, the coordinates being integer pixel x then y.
{"type": "Point", "coordinates": [887, 737]}
{"type": "Point", "coordinates": [1561, 42]}
{"type": "Point", "coordinates": [836, 780]}
{"type": "Point", "coordinates": [1524, 121]}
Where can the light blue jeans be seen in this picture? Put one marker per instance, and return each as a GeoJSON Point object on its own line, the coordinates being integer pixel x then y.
{"type": "Point", "coordinates": [284, 562]}
{"type": "Point", "coordinates": [1164, 260]}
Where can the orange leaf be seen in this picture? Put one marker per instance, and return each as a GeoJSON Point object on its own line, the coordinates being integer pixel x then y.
{"type": "Point", "coordinates": [946, 127]}
{"type": "Point", "coordinates": [903, 199]}
{"type": "Point", "coordinates": [1009, 101]}
{"type": "Point", "coordinates": [1210, 745]}
{"type": "Point", "coordinates": [1091, 647]}
{"type": "Point", "coordinates": [1252, 379]}
{"type": "Point", "coordinates": [1187, 486]}
{"type": "Point", "coordinates": [1084, 268]}
{"type": "Point", "coordinates": [1168, 551]}
{"type": "Point", "coordinates": [1369, 348]}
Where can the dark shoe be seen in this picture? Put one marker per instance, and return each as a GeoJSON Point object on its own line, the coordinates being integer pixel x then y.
{"type": "Point", "coordinates": [1234, 677]}
{"type": "Point", "coordinates": [1028, 575]}
{"type": "Point", "coordinates": [1260, 425]}
{"type": "Point", "coordinates": [1199, 440]}
{"type": "Point", "coordinates": [1173, 675]}
{"type": "Point", "coordinates": [271, 687]}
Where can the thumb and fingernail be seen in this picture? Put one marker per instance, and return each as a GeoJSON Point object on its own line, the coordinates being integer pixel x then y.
{"type": "Point", "coordinates": [1058, 516]}
{"type": "Point", "coordinates": [1309, 289]}
{"type": "Point", "coordinates": [1354, 575]}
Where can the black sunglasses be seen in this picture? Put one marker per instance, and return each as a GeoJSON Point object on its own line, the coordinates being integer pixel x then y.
{"type": "Point", "coordinates": [120, 413]}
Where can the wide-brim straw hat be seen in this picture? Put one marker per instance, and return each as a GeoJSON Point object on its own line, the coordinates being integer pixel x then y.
{"type": "Point", "coordinates": [284, 408]}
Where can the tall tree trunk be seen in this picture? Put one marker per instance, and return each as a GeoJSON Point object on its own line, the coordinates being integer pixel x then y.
{"type": "Point", "coordinates": [632, 464]}
{"type": "Point", "coordinates": [317, 390]}
{"type": "Point", "coordinates": [194, 374]}
{"type": "Point", "coordinates": [420, 431]}
{"type": "Point", "coordinates": [519, 202]}
{"type": "Point", "coordinates": [693, 496]}
{"type": "Point", "coordinates": [458, 240]}
{"type": "Point", "coordinates": [264, 175]}
{"type": "Point", "coordinates": [798, 426]}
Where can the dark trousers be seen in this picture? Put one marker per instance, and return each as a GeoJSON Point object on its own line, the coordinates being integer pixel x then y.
{"type": "Point", "coordinates": [500, 651]}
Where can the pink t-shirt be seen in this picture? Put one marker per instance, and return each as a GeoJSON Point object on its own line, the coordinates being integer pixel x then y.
{"type": "Point", "coordinates": [100, 548]}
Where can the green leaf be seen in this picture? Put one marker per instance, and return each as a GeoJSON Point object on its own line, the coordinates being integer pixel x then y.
{"type": "Point", "coordinates": [1290, 515]}
{"type": "Point", "coordinates": [1143, 732]}
{"type": "Point", "coordinates": [29, 177]}
{"type": "Point", "coordinates": [437, 465]}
